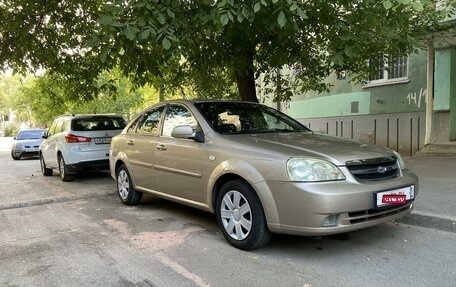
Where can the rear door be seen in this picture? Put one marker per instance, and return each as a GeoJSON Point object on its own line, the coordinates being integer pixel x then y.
{"type": "Point", "coordinates": [139, 145]}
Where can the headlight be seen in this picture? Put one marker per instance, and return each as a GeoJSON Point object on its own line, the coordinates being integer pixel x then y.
{"type": "Point", "coordinates": [311, 169]}
{"type": "Point", "coordinates": [400, 161]}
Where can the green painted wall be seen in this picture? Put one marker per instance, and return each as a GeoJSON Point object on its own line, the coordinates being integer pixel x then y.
{"type": "Point", "coordinates": [442, 85]}
{"type": "Point", "coordinates": [392, 98]}
{"type": "Point", "coordinates": [332, 105]}
{"type": "Point", "coordinates": [403, 97]}
{"type": "Point", "coordinates": [452, 97]}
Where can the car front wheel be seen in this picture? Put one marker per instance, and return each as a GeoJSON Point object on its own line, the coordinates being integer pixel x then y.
{"type": "Point", "coordinates": [46, 171]}
{"type": "Point", "coordinates": [15, 157]}
{"type": "Point", "coordinates": [127, 194]}
{"type": "Point", "coordinates": [241, 216]}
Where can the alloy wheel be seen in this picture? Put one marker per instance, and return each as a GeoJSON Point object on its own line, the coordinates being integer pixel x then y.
{"type": "Point", "coordinates": [123, 184]}
{"type": "Point", "coordinates": [236, 215]}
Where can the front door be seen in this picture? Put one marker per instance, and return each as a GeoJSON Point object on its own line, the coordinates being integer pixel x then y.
{"type": "Point", "coordinates": [178, 161]}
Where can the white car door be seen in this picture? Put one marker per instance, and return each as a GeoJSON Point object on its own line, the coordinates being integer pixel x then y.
{"type": "Point", "coordinates": [49, 145]}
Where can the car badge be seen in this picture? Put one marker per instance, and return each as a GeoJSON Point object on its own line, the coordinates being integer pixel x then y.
{"type": "Point", "coordinates": [381, 169]}
{"type": "Point", "coordinates": [106, 135]}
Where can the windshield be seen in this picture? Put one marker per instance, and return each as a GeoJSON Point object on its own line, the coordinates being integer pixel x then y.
{"type": "Point", "coordinates": [29, 135]}
{"type": "Point", "coordinates": [246, 118]}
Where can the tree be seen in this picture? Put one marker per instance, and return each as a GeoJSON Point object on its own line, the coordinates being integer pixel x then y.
{"type": "Point", "coordinates": [238, 40]}
{"type": "Point", "coordinates": [5, 90]}
{"type": "Point", "coordinates": [210, 45]}
{"type": "Point", "coordinates": [50, 35]}
{"type": "Point", "coordinates": [36, 101]}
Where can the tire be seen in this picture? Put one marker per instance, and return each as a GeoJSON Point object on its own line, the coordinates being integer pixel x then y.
{"type": "Point", "coordinates": [63, 170]}
{"type": "Point", "coordinates": [46, 171]}
{"type": "Point", "coordinates": [241, 216]}
{"type": "Point", "coordinates": [127, 194]}
{"type": "Point", "coordinates": [15, 157]}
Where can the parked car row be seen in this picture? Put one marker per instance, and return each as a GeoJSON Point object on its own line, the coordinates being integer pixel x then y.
{"type": "Point", "coordinates": [258, 170]}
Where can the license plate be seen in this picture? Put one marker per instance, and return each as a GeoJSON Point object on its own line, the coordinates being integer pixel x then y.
{"type": "Point", "coordinates": [395, 197]}
{"type": "Point", "coordinates": [31, 149]}
{"type": "Point", "coordinates": [102, 140]}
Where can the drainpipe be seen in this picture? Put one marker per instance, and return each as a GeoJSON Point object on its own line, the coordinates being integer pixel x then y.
{"type": "Point", "coordinates": [430, 91]}
{"type": "Point", "coordinates": [278, 89]}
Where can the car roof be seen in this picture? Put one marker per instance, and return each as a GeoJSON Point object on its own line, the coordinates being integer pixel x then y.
{"type": "Point", "coordinates": [32, 130]}
{"type": "Point", "coordinates": [91, 115]}
{"type": "Point", "coordinates": [197, 101]}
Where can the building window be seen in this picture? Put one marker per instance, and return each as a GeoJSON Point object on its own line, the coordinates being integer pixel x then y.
{"type": "Point", "coordinates": [388, 70]}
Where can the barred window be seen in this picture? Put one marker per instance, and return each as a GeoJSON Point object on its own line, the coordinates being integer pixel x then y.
{"type": "Point", "coordinates": [388, 69]}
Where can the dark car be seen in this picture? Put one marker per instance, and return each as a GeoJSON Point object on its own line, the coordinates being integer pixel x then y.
{"type": "Point", "coordinates": [26, 143]}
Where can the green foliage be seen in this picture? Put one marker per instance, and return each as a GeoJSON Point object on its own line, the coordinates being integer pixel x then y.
{"type": "Point", "coordinates": [11, 130]}
{"type": "Point", "coordinates": [229, 40]}
{"type": "Point", "coordinates": [208, 47]}
{"type": "Point", "coordinates": [36, 101]}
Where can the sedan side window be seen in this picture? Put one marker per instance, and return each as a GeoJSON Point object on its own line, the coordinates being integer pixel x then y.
{"type": "Point", "coordinates": [177, 115]}
{"type": "Point", "coordinates": [149, 124]}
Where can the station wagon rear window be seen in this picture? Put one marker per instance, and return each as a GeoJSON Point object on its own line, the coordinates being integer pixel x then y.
{"type": "Point", "coordinates": [98, 124]}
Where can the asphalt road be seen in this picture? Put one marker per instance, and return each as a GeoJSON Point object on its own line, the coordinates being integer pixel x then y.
{"type": "Point", "coordinates": [79, 234]}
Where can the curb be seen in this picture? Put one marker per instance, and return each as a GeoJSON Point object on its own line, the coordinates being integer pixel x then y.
{"type": "Point", "coordinates": [429, 220]}
{"type": "Point", "coordinates": [60, 199]}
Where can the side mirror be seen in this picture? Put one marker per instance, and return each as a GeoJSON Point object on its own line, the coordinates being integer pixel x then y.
{"type": "Point", "coordinates": [186, 132]}
{"type": "Point", "coordinates": [44, 135]}
{"type": "Point", "coordinates": [182, 132]}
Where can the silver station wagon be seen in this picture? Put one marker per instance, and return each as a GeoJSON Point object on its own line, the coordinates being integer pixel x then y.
{"type": "Point", "coordinates": [258, 170]}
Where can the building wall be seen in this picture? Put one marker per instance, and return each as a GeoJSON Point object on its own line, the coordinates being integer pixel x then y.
{"type": "Point", "coordinates": [402, 132]}
{"type": "Point", "coordinates": [344, 96]}
{"type": "Point", "coordinates": [390, 115]}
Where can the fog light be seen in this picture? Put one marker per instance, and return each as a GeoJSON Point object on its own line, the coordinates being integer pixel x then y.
{"type": "Point", "coordinates": [330, 220]}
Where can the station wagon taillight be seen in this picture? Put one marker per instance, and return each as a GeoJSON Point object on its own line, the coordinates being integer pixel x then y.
{"type": "Point", "coordinates": [71, 138]}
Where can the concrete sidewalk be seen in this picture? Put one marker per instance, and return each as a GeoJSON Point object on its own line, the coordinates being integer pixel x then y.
{"type": "Point", "coordinates": [6, 143]}
{"type": "Point", "coordinates": [435, 205]}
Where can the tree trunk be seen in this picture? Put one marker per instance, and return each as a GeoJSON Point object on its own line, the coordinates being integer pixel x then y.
{"type": "Point", "coordinates": [246, 86]}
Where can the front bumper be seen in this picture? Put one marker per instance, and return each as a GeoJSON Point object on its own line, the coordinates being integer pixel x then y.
{"type": "Point", "coordinates": [25, 152]}
{"type": "Point", "coordinates": [301, 208]}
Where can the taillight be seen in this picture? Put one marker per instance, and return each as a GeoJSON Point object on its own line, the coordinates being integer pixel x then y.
{"type": "Point", "coordinates": [71, 138]}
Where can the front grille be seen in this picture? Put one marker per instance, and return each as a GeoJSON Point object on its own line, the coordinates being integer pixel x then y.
{"type": "Point", "coordinates": [374, 169]}
{"type": "Point", "coordinates": [373, 214]}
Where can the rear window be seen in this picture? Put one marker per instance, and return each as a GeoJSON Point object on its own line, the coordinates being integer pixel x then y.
{"type": "Point", "coordinates": [98, 124]}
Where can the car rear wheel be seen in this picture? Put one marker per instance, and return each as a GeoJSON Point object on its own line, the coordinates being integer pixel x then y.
{"type": "Point", "coordinates": [46, 171]}
{"type": "Point", "coordinates": [241, 216]}
{"type": "Point", "coordinates": [63, 170]}
{"type": "Point", "coordinates": [127, 194]}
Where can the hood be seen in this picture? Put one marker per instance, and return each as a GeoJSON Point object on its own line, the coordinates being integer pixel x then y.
{"type": "Point", "coordinates": [335, 149]}
{"type": "Point", "coordinates": [31, 142]}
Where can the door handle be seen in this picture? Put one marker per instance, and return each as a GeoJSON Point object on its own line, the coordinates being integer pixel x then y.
{"type": "Point", "coordinates": [130, 142]}
{"type": "Point", "coordinates": [161, 147]}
